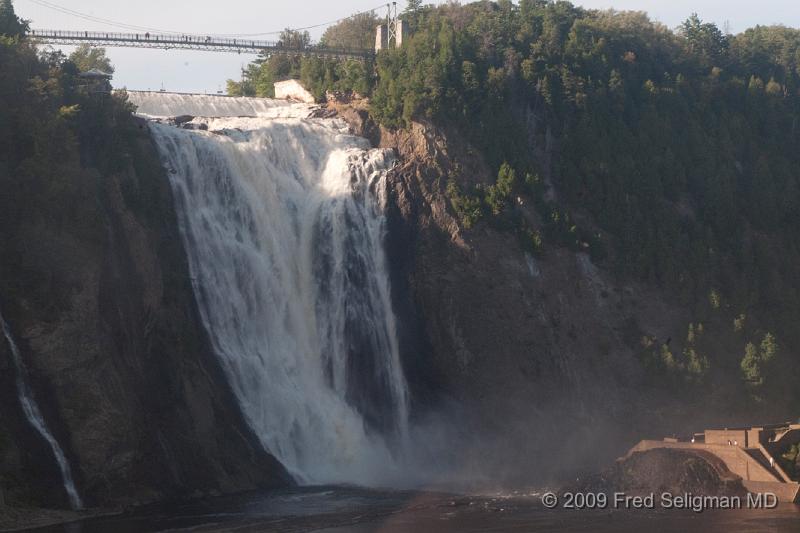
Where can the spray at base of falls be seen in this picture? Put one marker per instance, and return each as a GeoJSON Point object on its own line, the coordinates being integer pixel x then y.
{"type": "Point", "coordinates": [282, 221]}
{"type": "Point", "coordinates": [34, 416]}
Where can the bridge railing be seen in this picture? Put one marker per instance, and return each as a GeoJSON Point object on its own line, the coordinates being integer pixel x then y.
{"type": "Point", "coordinates": [188, 41]}
{"type": "Point", "coordinates": [152, 37]}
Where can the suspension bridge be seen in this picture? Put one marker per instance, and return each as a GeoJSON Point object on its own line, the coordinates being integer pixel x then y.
{"type": "Point", "coordinates": [209, 43]}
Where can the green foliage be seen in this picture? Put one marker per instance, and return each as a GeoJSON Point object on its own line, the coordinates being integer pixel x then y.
{"type": "Point", "coordinates": [467, 207]}
{"type": "Point", "coordinates": [498, 195]}
{"type": "Point", "coordinates": [356, 32]}
{"type": "Point", "coordinates": [714, 299]}
{"type": "Point", "coordinates": [676, 143]}
{"type": "Point", "coordinates": [790, 460]}
{"type": "Point", "coordinates": [56, 141]}
{"type": "Point", "coordinates": [412, 7]}
{"type": "Point", "coordinates": [697, 365]}
{"type": "Point", "coordinates": [294, 39]}
{"type": "Point", "coordinates": [534, 185]}
{"type": "Point", "coordinates": [751, 370]}
{"type": "Point", "coordinates": [10, 24]}
{"type": "Point", "coordinates": [690, 368]}
{"type": "Point", "coordinates": [704, 40]}
{"type": "Point", "coordinates": [768, 348]}
{"type": "Point", "coordinates": [755, 360]}
{"type": "Point", "coordinates": [532, 241]}
{"type": "Point", "coordinates": [679, 148]}
{"type": "Point", "coordinates": [318, 75]}
{"type": "Point", "coordinates": [258, 78]}
{"type": "Point", "coordinates": [86, 58]}
{"type": "Point", "coordinates": [668, 360]}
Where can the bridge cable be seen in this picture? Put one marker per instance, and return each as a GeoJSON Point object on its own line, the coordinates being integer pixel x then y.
{"type": "Point", "coordinates": [133, 27]}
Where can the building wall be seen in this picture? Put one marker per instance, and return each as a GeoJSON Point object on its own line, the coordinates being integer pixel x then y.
{"type": "Point", "coordinates": [381, 37]}
{"type": "Point", "coordinates": [293, 90]}
{"type": "Point", "coordinates": [736, 459]}
{"type": "Point", "coordinates": [401, 30]}
{"type": "Point", "coordinates": [722, 436]}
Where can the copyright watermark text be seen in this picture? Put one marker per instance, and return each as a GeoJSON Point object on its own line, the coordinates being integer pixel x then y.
{"type": "Point", "coordinates": [665, 500]}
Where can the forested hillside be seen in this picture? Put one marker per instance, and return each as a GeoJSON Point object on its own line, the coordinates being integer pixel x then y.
{"type": "Point", "coordinates": [95, 290]}
{"type": "Point", "coordinates": [670, 156]}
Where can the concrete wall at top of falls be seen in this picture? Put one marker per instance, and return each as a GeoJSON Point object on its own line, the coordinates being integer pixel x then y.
{"type": "Point", "coordinates": [158, 104]}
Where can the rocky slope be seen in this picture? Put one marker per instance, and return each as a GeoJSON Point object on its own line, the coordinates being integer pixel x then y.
{"type": "Point", "coordinates": [542, 355]}
{"type": "Point", "coordinates": [107, 324]}
{"type": "Point", "coordinates": [676, 472]}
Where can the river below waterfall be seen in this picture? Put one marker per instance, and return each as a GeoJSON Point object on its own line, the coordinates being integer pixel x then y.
{"type": "Point", "coordinates": [343, 509]}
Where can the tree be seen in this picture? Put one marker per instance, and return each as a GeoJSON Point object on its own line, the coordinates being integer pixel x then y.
{"type": "Point", "coordinates": [294, 39]}
{"type": "Point", "coordinates": [357, 32]}
{"type": "Point", "coordinates": [498, 194]}
{"type": "Point", "coordinates": [412, 7]}
{"type": "Point", "coordinates": [705, 39]}
{"type": "Point", "coordinates": [411, 14]}
{"type": "Point", "coordinates": [239, 88]}
{"type": "Point", "coordinates": [10, 24]}
{"type": "Point", "coordinates": [467, 207]}
{"type": "Point", "coordinates": [751, 370]}
{"type": "Point", "coordinates": [86, 58]}
{"type": "Point", "coordinates": [755, 359]}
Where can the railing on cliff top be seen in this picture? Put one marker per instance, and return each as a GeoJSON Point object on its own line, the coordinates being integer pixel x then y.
{"type": "Point", "coordinates": [191, 42]}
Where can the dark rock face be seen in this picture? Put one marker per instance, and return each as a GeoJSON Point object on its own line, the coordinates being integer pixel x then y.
{"type": "Point", "coordinates": [534, 351]}
{"type": "Point", "coordinates": [533, 362]}
{"type": "Point", "coordinates": [663, 470]}
{"type": "Point", "coordinates": [182, 119]}
{"type": "Point", "coordinates": [108, 327]}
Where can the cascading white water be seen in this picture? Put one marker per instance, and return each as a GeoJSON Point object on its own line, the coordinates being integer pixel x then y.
{"type": "Point", "coordinates": [157, 104]}
{"type": "Point", "coordinates": [282, 222]}
{"type": "Point", "coordinates": [34, 416]}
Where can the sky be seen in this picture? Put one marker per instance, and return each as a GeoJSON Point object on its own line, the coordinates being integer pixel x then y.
{"type": "Point", "coordinates": [206, 72]}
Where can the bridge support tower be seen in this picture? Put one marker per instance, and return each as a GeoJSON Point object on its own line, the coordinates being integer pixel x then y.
{"type": "Point", "coordinates": [393, 32]}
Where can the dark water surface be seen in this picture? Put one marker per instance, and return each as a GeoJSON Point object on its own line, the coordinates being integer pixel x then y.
{"type": "Point", "coordinates": [343, 509]}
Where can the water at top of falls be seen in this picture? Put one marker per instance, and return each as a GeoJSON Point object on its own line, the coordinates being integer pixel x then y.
{"type": "Point", "coordinates": [282, 220]}
{"type": "Point", "coordinates": [158, 104]}
{"type": "Point", "coordinates": [34, 416]}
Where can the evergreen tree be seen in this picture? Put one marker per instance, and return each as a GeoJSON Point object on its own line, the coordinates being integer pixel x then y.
{"type": "Point", "coordinates": [10, 24]}
{"type": "Point", "coordinates": [412, 7]}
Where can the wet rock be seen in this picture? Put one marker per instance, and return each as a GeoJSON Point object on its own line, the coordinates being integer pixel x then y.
{"type": "Point", "coordinates": [664, 470]}
{"type": "Point", "coordinates": [182, 119]}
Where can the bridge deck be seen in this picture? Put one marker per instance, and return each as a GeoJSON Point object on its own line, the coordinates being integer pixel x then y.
{"type": "Point", "coordinates": [190, 42]}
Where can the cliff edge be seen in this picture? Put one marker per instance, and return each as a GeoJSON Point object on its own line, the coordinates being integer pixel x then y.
{"type": "Point", "coordinates": [95, 285]}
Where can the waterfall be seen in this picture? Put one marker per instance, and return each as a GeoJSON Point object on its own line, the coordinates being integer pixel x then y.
{"type": "Point", "coordinates": [34, 416]}
{"type": "Point", "coordinates": [282, 220]}
{"type": "Point", "coordinates": [157, 104]}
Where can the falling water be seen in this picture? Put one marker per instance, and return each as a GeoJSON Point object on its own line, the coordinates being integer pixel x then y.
{"type": "Point", "coordinates": [283, 224]}
{"type": "Point", "coordinates": [34, 416]}
{"type": "Point", "coordinates": [157, 104]}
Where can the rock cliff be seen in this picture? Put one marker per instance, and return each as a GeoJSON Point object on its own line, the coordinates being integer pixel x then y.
{"type": "Point", "coordinates": [676, 472]}
{"type": "Point", "coordinates": [106, 321]}
{"type": "Point", "coordinates": [543, 354]}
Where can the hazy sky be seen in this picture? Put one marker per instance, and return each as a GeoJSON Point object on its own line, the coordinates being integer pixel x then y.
{"type": "Point", "coordinates": [192, 71]}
